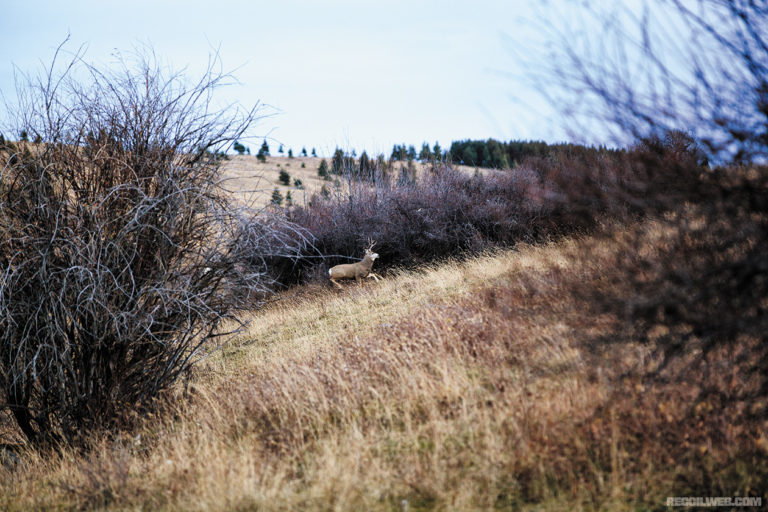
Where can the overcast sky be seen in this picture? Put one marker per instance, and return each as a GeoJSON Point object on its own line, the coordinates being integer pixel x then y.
{"type": "Point", "coordinates": [354, 74]}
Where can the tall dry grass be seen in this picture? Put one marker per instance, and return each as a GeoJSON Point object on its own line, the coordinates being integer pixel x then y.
{"type": "Point", "coordinates": [488, 383]}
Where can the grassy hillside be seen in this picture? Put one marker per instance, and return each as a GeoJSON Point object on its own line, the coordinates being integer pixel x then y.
{"type": "Point", "coordinates": [252, 181]}
{"type": "Point", "coordinates": [487, 383]}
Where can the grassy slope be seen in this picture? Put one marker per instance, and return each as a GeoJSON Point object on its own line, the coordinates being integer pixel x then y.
{"type": "Point", "coordinates": [464, 385]}
{"type": "Point", "coordinates": [252, 182]}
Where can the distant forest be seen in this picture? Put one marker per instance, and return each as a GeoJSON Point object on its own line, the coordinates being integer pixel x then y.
{"type": "Point", "coordinates": [503, 155]}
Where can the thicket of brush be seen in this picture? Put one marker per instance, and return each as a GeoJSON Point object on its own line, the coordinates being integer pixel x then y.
{"type": "Point", "coordinates": [446, 212]}
{"type": "Point", "coordinates": [117, 243]}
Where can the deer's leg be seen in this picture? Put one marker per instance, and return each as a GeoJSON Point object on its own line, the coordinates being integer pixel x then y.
{"type": "Point", "coordinates": [337, 284]}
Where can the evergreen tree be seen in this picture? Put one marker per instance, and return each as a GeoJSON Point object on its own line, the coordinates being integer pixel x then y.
{"type": "Point", "coordinates": [288, 198]}
{"type": "Point", "coordinates": [280, 149]}
{"type": "Point", "coordinates": [314, 153]}
{"type": "Point", "coordinates": [303, 151]}
{"type": "Point", "coordinates": [239, 147]}
{"type": "Point", "coordinates": [425, 153]}
{"type": "Point", "coordinates": [437, 152]}
{"type": "Point", "coordinates": [263, 152]}
{"type": "Point", "coordinates": [411, 153]}
{"type": "Point", "coordinates": [290, 153]}
{"type": "Point", "coordinates": [366, 167]}
{"type": "Point", "coordinates": [24, 136]}
{"type": "Point", "coordinates": [284, 178]}
{"type": "Point", "coordinates": [469, 156]}
{"type": "Point", "coordinates": [297, 183]}
{"type": "Point", "coordinates": [322, 171]}
{"type": "Point", "coordinates": [337, 162]}
{"type": "Point", "coordinates": [277, 197]}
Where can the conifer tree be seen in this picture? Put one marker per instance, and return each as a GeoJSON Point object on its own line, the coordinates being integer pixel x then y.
{"type": "Point", "coordinates": [277, 197]}
{"type": "Point", "coordinates": [322, 171]}
{"type": "Point", "coordinates": [425, 153]}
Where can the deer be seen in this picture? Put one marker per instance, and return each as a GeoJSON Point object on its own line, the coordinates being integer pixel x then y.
{"type": "Point", "coordinates": [359, 270]}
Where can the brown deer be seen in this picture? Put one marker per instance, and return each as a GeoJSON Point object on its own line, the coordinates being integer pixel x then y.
{"type": "Point", "coordinates": [359, 270]}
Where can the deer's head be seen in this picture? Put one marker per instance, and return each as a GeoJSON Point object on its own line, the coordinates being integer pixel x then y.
{"type": "Point", "coordinates": [369, 250]}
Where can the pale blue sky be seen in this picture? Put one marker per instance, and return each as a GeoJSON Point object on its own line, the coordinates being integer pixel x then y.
{"type": "Point", "coordinates": [353, 74]}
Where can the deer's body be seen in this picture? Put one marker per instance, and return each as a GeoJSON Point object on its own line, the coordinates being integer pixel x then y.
{"type": "Point", "coordinates": [358, 271]}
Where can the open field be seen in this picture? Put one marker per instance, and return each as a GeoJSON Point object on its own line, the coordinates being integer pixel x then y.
{"type": "Point", "coordinates": [488, 383]}
{"type": "Point", "coordinates": [252, 181]}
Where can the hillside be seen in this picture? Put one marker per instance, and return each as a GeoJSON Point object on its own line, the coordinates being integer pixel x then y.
{"type": "Point", "coordinates": [487, 383]}
{"type": "Point", "coordinates": [252, 181]}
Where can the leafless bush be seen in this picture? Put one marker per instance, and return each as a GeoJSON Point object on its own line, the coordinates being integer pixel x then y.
{"type": "Point", "coordinates": [442, 213]}
{"type": "Point", "coordinates": [689, 80]}
{"type": "Point", "coordinates": [274, 247]}
{"type": "Point", "coordinates": [116, 241]}
{"type": "Point", "coordinates": [652, 67]}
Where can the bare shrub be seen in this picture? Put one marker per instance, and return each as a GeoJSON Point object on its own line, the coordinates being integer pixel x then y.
{"type": "Point", "coordinates": [443, 213]}
{"type": "Point", "coordinates": [705, 290]}
{"type": "Point", "coordinates": [116, 241]}
{"type": "Point", "coordinates": [658, 66]}
{"type": "Point", "coordinates": [688, 80]}
{"type": "Point", "coordinates": [273, 247]}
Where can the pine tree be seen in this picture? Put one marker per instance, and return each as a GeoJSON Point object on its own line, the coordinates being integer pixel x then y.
{"type": "Point", "coordinates": [365, 166]}
{"type": "Point", "coordinates": [284, 178]}
{"type": "Point", "coordinates": [314, 153]}
{"type": "Point", "coordinates": [337, 162]}
{"type": "Point", "coordinates": [322, 171]}
{"type": "Point", "coordinates": [425, 153]}
{"type": "Point", "coordinates": [288, 198]}
{"type": "Point", "coordinates": [263, 152]}
{"type": "Point", "coordinates": [303, 151]}
{"type": "Point", "coordinates": [280, 149]}
{"type": "Point", "coordinates": [277, 197]}
{"type": "Point", "coordinates": [290, 153]}
{"type": "Point", "coordinates": [437, 152]}
{"type": "Point", "coordinates": [298, 184]}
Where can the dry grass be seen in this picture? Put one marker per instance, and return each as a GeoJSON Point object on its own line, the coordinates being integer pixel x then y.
{"type": "Point", "coordinates": [252, 181]}
{"type": "Point", "coordinates": [466, 385]}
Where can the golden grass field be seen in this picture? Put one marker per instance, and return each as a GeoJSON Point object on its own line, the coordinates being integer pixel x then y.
{"type": "Point", "coordinates": [464, 385]}
{"type": "Point", "coordinates": [252, 182]}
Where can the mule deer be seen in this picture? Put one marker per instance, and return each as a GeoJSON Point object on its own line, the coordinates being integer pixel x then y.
{"type": "Point", "coordinates": [359, 270]}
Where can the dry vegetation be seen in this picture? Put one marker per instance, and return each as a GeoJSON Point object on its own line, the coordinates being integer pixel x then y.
{"type": "Point", "coordinates": [599, 344]}
{"type": "Point", "coordinates": [252, 181]}
{"type": "Point", "coordinates": [481, 384]}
